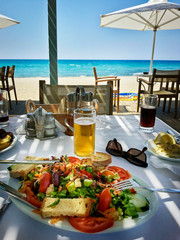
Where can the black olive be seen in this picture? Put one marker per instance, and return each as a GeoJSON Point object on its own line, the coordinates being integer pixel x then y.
{"type": "Point", "coordinates": [55, 178]}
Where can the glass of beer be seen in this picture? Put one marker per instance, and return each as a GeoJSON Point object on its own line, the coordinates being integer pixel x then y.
{"type": "Point", "coordinates": [84, 132]}
{"type": "Point", "coordinates": [148, 112]}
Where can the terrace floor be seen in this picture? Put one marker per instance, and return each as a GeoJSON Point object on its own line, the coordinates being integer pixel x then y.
{"type": "Point", "coordinates": [126, 107]}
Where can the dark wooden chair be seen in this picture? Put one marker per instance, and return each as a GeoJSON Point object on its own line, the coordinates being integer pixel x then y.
{"type": "Point", "coordinates": [116, 85]}
{"type": "Point", "coordinates": [165, 84]}
{"type": "Point", "coordinates": [7, 85]}
{"type": "Point", "coordinates": [2, 76]}
{"type": "Point", "coordinates": [56, 94]}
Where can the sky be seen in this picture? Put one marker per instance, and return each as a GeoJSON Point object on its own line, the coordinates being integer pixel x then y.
{"type": "Point", "coordinates": [79, 35]}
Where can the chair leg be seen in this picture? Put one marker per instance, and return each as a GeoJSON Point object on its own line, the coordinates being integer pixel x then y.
{"type": "Point", "coordinates": [169, 105]}
{"type": "Point", "coordinates": [164, 104]}
{"type": "Point", "coordinates": [175, 108]}
{"type": "Point", "coordinates": [15, 96]}
{"type": "Point", "coordinates": [118, 91]}
{"type": "Point", "coordinates": [138, 98]}
{"type": "Point", "coordinates": [10, 103]}
{"type": "Point", "coordinates": [114, 98]}
{"type": "Point", "coordinates": [14, 90]}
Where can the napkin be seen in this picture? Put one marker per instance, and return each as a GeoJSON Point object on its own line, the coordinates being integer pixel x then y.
{"type": "Point", "coordinates": [2, 200]}
{"type": "Point", "coordinates": [160, 163]}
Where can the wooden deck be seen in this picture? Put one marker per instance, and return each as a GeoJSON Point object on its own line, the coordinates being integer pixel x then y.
{"type": "Point", "coordinates": [126, 107]}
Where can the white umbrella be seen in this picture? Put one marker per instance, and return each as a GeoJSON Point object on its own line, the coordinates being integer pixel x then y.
{"type": "Point", "coordinates": [6, 22]}
{"type": "Point", "coordinates": [153, 15]}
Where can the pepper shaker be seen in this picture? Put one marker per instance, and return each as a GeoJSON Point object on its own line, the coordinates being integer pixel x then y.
{"type": "Point", "coordinates": [30, 126]}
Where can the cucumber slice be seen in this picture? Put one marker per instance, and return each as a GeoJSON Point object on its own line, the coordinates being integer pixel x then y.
{"type": "Point", "coordinates": [140, 202]}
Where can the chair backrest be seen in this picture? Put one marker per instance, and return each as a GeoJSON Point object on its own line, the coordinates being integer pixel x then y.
{"type": "Point", "coordinates": [95, 74]}
{"type": "Point", "coordinates": [57, 93]}
{"type": "Point", "coordinates": [2, 75]}
{"type": "Point", "coordinates": [167, 79]}
{"type": "Point", "coordinates": [11, 71]}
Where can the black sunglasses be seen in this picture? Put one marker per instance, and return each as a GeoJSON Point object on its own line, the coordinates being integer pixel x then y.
{"type": "Point", "coordinates": [133, 155]}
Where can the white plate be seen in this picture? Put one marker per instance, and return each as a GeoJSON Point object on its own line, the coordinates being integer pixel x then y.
{"type": "Point", "coordinates": [126, 223]}
{"type": "Point", "coordinates": [11, 145]}
{"type": "Point", "coordinates": [161, 156]}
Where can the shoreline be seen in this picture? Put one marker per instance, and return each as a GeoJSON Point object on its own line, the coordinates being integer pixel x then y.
{"type": "Point", "coordinates": [28, 88]}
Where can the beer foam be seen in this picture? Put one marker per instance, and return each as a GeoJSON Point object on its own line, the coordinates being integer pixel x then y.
{"type": "Point", "coordinates": [148, 107]}
{"type": "Point", "coordinates": [84, 121]}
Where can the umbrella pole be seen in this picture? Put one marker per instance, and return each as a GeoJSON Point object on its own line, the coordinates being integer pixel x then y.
{"type": "Point", "coordinates": [152, 56]}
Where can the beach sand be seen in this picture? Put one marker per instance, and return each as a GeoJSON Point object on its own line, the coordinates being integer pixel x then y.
{"type": "Point", "coordinates": [28, 88]}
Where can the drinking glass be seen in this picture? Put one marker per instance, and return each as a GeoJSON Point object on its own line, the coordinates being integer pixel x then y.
{"type": "Point", "coordinates": [84, 132]}
{"type": "Point", "coordinates": [4, 117]}
{"type": "Point", "coordinates": [148, 112]}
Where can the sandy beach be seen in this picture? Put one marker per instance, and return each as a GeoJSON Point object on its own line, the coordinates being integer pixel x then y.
{"type": "Point", "coordinates": [28, 88]}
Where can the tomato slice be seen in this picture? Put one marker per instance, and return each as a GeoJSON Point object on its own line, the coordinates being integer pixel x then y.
{"type": "Point", "coordinates": [74, 160]}
{"type": "Point", "coordinates": [45, 181]}
{"type": "Point", "coordinates": [104, 200]}
{"type": "Point", "coordinates": [86, 173]}
{"type": "Point", "coordinates": [124, 174]}
{"type": "Point", "coordinates": [32, 198]}
{"type": "Point", "coordinates": [91, 224]}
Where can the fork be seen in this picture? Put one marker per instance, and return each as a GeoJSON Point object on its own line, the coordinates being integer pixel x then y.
{"type": "Point", "coordinates": [130, 183]}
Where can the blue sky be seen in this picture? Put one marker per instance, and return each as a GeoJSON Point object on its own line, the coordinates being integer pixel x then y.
{"type": "Point", "coordinates": [79, 33]}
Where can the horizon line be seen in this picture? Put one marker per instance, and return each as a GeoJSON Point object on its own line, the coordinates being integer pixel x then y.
{"type": "Point", "coordinates": [91, 59]}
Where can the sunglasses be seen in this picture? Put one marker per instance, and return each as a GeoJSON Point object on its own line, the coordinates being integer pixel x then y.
{"type": "Point", "coordinates": [133, 155]}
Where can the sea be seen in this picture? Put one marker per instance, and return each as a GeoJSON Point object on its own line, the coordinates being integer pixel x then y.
{"type": "Point", "coordinates": [79, 68]}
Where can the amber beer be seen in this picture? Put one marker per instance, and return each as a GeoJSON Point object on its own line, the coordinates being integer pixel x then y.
{"type": "Point", "coordinates": [84, 134]}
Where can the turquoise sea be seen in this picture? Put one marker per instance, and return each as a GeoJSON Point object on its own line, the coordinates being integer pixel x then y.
{"type": "Point", "coordinates": [76, 68]}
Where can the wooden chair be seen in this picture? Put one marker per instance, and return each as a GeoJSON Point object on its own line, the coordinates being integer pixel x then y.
{"type": "Point", "coordinates": [6, 85]}
{"type": "Point", "coordinates": [2, 76]}
{"type": "Point", "coordinates": [116, 85]}
{"type": "Point", "coordinates": [53, 94]}
{"type": "Point", "coordinates": [165, 84]}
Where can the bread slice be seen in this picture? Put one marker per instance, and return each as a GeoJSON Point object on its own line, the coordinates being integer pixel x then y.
{"type": "Point", "coordinates": [21, 170]}
{"type": "Point", "coordinates": [34, 158]}
{"type": "Point", "coordinates": [80, 207]}
{"type": "Point", "coordinates": [100, 160]}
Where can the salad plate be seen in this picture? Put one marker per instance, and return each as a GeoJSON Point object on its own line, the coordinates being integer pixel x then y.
{"type": "Point", "coordinates": [124, 224]}
{"type": "Point", "coordinates": [150, 150]}
{"type": "Point", "coordinates": [11, 145]}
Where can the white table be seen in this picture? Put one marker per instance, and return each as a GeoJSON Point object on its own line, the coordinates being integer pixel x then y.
{"type": "Point", "coordinates": [165, 224]}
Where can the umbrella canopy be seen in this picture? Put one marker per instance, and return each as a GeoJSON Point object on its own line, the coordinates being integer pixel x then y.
{"type": "Point", "coordinates": [6, 22]}
{"type": "Point", "coordinates": [153, 15]}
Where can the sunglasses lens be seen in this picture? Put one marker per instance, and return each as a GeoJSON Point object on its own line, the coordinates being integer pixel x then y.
{"type": "Point", "coordinates": [114, 148]}
{"type": "Point", "coordinates": [137, 157]}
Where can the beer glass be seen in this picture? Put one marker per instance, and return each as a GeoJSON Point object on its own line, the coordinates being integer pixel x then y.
{"type": "Point", "coordinates": [148, 112]}
{"type": "Point", "coordinates": [84, 132]}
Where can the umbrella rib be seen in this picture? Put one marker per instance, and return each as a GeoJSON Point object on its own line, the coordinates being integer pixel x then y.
{"type": "Point", "coordinates": [129, 16]}
{"type": "Point", "coordinates": [177, 16]}
{"type": "Point", "coordinates": [150, 24]}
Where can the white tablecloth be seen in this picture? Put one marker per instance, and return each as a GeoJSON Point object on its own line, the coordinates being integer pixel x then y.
{"type": "Point", "coordinates": [165, 224]}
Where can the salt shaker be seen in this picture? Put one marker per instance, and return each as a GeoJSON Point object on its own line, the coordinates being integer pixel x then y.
{"type": "Point", "coordinates": [49, 125]}
{"type": "Point", "coordinates": [30, 126]}
{"type": "Point", "coordinates": [40, 124]}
